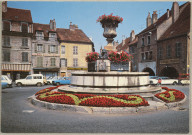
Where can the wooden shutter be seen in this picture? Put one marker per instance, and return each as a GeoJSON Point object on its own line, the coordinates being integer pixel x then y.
{"type": "Point", "coordinates": [56, 47]}
{"type": "Point", "coordinates": [48, 48]}
{"type": "Point", "coordinates": [23, 42]}
{"type": "Point", "coordinates": [35, 46]}
{"type": "Point", "coordinates": [43, 48]}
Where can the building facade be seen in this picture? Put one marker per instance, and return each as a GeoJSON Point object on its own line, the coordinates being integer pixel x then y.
{"type": "Point", "coordinates": [45, 49]}
{"type": "Point", "coordinates": [174, 45]}
{"type": "Point", "coordinates": [147, 39]}
{"type": "Point", "coordinates": [74, 46]}
{"type": "Point", "coordinates": [17, 29]}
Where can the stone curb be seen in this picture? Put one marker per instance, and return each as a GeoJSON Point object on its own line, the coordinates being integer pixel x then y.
{"type": "Point", "coordinates": [154, 106]}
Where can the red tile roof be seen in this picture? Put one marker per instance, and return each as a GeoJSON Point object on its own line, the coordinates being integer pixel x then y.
{"type": "Point", "coordinates": [181, 26]}
{"type": "Point", "coordinates": [42, 27]}
{"type": "Point", "coordinates": [14, 14]}
{"type": "Point", "coordinates": [75, 35]}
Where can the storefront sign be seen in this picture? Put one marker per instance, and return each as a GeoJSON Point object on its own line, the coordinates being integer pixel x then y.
{"type": "Point", "coordinates": [169, 61]}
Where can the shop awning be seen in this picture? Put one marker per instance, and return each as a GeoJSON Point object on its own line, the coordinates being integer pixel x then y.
{"type": "Point", "coordinates": [16, 67]}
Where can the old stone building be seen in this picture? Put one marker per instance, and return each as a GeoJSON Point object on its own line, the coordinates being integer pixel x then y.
{"type": "Point", "coordinates": [130, 45]}
{"type": "Point", "coordinates": [147, 39]}
{"type": "Point", "coordinates": [17, 29]}
{"type": "Point", "coordinates": [173, 46]}
{"type": "Point", "coordinates": [45, 49]}
{"type": "Point", "coordinates": [74, 45]}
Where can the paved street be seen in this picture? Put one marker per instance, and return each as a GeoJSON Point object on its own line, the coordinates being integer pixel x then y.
{"type": "Point", "coordinates": [19, 116]}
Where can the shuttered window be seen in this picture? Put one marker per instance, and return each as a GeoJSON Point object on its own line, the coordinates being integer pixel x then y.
{"type": "Point", "coordinates": [24, 28]}
{"type": "Point", "coordinates": [75, 62]}
{"type": "Point", "coordinates": [39, 61]}
{"type": "Point", "coordinates": [178, 50]}
{"type": "Point", "coordinates": [62, 49]}
{"type": "Point", "coordinates": [39, 47]}
{"type": "Point", "coordinates": [6, 55]}
{"type": "Point", "coordinates": [75, 49]}
{"type": "Point", "coordinates": [24, 56]}
{"type": "Point", "coordinates": [63, 62]}
{"type": "Point", "coordinates": [168, 51]}
{"type": "Point", "coordinates": [6, 26]}
{"type": "Point", "coordinates": [52, 61]}
{"type": "Point", "coordinates": [25, 42]}
{"type": "Point", "coordinates": [159, 53]}
{"type": "Point", "coordinates": [53, 49]}
{"type": "Point", "coordinates": [6, 41]}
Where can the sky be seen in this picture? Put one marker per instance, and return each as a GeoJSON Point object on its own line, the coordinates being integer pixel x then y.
{"type": "Point", "coordinates": [85, 14]}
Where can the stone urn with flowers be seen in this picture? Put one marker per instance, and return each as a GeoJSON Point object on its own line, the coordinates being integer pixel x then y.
{"type": "Point", "coordinates": [109, 23]}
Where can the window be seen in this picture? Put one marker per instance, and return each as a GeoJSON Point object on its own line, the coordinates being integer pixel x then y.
{"type": "Point", "coordinates": [63, 62]}
{"type": "Point", "coordinates": [24, 27]}
{"type": "Point", "coordinates": [39, 47]}
{"type": "Point", "coordinates": [159, 53]}
{"type": "Point", "coordinates": [39, 35]}
{"type": "Point", "coordinates": [39, 61]}
{"type": "Point", "coordinates": [52, 35]}
{"type": "Point", "coordinates": [6, 26]}
{"type": "Point", "coordinates": [29, 77]}
{"type": "Point", "coordinates": [150, 55]}
{"type": "Point", "coordinates": [37, 77]}
{"type": "Point", "coordinates": [52, 48]}
{"type": "Point", "coordinates": [6, 55]}
{"type": "Point", "coordinates": [148, 40]}
{"type": "Point", "coordinates": [146, 55]}
{"type": "Point", "coordinates": [25, 42]}
{"type": "Point", "coordinates": [75, 62]}
{"type": "Point", "coordinates": [75, 49]}
{"type": "Point", "coordinates": [178, 50]}
{"type": "Point", "coordinates": [52, 61]}
{"type": "Point", "coordinates": [62, 49]}
{"type": "Point", "coordinates": [142, 41]}
{"type": "Point", "coordinates": [132, 50]}
{"type": "Point", "coordinates": [6, 41]}
{"type": "Point", "coordinates": [24, 56]}
{"type": "Point", "coordinates": [142, 56]}
{"type": "Point", "coordinates": [168, 51]}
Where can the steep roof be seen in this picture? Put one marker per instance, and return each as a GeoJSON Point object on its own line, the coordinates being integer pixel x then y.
{"type": "Point", "coordinates": [181, 26]}
{"type": "Point", "coordinates": [75, 35]}
{"type": "Point", "coordinates": [42, 27]}
{"type": "Point", "coordinates": [127, 43]}
{"type": "Point", "coordinates": [19, 15]}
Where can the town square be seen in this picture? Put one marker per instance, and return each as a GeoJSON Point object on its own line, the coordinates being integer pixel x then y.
{"type": "Point", "coordinates": [102, 74]}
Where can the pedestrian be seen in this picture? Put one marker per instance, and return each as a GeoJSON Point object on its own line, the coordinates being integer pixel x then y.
{"type": "Point", "coordinates": [159, 81]}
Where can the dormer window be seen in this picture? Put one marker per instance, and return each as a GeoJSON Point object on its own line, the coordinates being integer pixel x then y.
{"type": "Point", "coordinates": [39, 35]}
{"type": "Point", "coordinates": [24, 27]}
{"type": "Point", "coordinates": [52, 36]}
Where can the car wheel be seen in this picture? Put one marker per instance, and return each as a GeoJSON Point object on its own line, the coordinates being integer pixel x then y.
{"type": "Point", "coordinates": [174, 83]}
{"type": "Point", "coordinates": [39, 84]}
{"type": "Point", "coordinates": [19, 84]}
{"type": "Point", "coordinates": [57, 84]}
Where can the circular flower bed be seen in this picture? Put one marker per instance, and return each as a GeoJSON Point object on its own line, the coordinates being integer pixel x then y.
{"type": "Point", "coordinates": [91, 99]}
{"type": "Point", "coordinates": [170, 95]}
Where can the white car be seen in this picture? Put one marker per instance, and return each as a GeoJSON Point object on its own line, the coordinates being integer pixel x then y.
{"type": "Point", "coordinates": [153, 79]}
{"type": "Point", "coordinates": [167, 80]}
{"type": "Point", "coordinates": [6, 79]}
{"type": "Point", "coordinates": [34, 79]}
{"type": "Point", "coordinates": [51, 79]}
{"type": "Point", "coordinates": [185, 82]}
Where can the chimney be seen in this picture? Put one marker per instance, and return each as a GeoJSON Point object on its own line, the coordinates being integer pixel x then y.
{"type": "Point", "coordinates": [4, 6]}
{"type": "Point", "coordinates": [52, 24]}
{"type": "Point", "coordinates": [148, 20]}
{"type": "Point", "coordinates": [73, 26]}
{"type": "Point", "coordinates": [175, 11]}
{"type": "Point", "coordinates": [168, 13]}
{"type": "Point", "coordinates": [154, 17]}
{"type": "Point", "coordinates": [132, 36]}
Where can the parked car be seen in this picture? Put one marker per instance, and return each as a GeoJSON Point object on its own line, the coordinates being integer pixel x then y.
{"type": "Point", "coordinates": [4, 85]}
{"type": "Point", "coordinates": [167, 80]}
{"type": "Point", "coordinates": [62, 80]}
{"type": "Point", "coordinates": [184, 79]}
{"type": "Point", "coordinates": [50, 79]}
{"type": "Point", "coordinates": [6, 79]}
{"type": "Point", "coordinates": [153, 79]}
{"type": "Point", "coordinates": [34, 79]}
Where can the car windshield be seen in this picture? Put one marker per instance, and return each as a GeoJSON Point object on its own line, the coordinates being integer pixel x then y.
{"type": "Point", "coordinates": [153, 77]}
{"type": "Point", "coordinates": [55, 77]}
{"type": "Point", "coordinates": [49, 77]}
{"type": "Point", "coordinates": [2, 78]}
